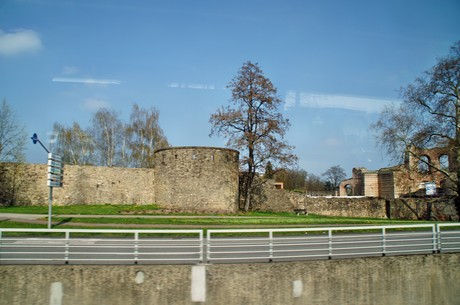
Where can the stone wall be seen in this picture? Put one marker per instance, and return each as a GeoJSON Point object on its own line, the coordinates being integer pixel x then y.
{"type": "Point", "coordinates": [210, 191]}
{"type": "Point", "coordinates": [197, 179]}
{"type": "Point", "coordinates": [185, 179]}
{"type": "Point", "coordinates": [403, 280]}
{"type": "Point", "coordinates": [442, 208]}
{"type": "Point", "coordinates": [25, 184]}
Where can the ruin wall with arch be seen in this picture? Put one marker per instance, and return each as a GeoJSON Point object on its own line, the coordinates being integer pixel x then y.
{"type": "Point", "coordinates": [406, 179]}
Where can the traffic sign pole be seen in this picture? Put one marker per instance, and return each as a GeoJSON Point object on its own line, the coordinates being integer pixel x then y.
{"type": "Point", "coordinates": [55, 175]}
{"type": "Point", "coordinates": [50, 206]}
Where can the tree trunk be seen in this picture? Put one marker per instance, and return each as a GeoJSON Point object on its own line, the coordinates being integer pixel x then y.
{"type": "Point", "coordinates": [457, 157]}
{"type": "Point", "coordinates": [247, 202]}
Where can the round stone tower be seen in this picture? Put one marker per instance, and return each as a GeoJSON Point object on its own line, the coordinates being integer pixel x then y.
{"type": "Point", "coordinates": [197, 179]}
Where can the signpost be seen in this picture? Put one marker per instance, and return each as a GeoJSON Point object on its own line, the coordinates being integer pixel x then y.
{"type": "Point", "coordinates": [55, 170]}
{"type": "Point", "coordinates": [55, 175]}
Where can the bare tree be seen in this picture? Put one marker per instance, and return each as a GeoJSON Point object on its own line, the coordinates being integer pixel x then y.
{"type": "Point", "coordinates": [144, 135]}
{"type": "Point", "coordinates": [428, 117]}
{"type": "Point", "coordinates": [293, 179]}
{"type": "Point", "coordinates": [107, 132]}
{"type": "Point", "coordinates": [253, 124]}
{"type": "Point", "coordinates": [12, 136]}
{"type": "Point", "coordinates": [75, 145]}
{"type": "Point", "coordinates": [314, 184]}
{"type": "Point", "coordinates": [334, 175]}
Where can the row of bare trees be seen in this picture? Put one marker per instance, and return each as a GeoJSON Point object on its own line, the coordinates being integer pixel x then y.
{"type": "Point", "coordinates": [303, 181]}
{"type": "Point", "coordinates": [110, 142]}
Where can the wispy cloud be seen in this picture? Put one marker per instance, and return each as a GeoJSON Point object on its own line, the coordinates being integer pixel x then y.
{"type": "Point", "coordinates": [94, 104]}
{"type": "Point", "coordinates": [332, 142]}
{"type": "Point", "coordinates": [90, 81]}
{"type": "Point", "coordinates": [69, 70]}
{"type": "Point", "coordinates": [192, 86]}
{"type": "Point", "coordinates": [290, 99]}
{"type": "Point", "coordinates": [350, 102]}
{"type": "Point", "coordinates": [19, 41]}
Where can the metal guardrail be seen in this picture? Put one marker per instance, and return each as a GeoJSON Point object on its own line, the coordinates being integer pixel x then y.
{"type": "Point", "coordinates": [326, 243]}
{"type": "Point", "coordinates": [101, 246]}
{"type": "Point", "coordinates": [448, 240]}
{"type": "Point", "coordinates": [222, 245]}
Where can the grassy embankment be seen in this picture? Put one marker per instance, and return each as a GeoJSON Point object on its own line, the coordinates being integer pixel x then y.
{"type": "Point", "coordinates": [250, 219]}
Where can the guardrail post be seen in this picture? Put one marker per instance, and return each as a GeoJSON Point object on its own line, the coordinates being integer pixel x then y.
{"type": "Point", "coordinates": [270, 236]}
{"type": "Point", "coordinates": [435, 239]}
{"type": "Point", "coordinates": [384, 245]}
{"type": "Point", "coordinates": [438, 238]}
{"type": "Point", "coordinates": [136, 247]}
{"type": "Point", "coordinates": [201, 246]}
{"type": "Point", "coordinates": [330, 243]}
{"type": "Point", "coordinates": [208, 246]}
{"type": "Point", "coordinates": [66, 247]}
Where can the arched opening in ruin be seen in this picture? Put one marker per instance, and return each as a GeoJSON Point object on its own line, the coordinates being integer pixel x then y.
{"type": "Point", "coordinates": [444, 162]}
{"type": "Point", "coordinates": [423, 164]}
{"type": "Point", "coordinates": [348, 190]}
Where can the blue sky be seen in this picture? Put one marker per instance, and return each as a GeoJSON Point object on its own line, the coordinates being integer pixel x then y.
{"type": "Point", "coordinates": [335, 64]}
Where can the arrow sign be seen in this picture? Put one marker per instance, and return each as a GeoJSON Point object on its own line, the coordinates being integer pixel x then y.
{"type": "Point", "coordinates": [54, 170]}
{"type": "Point", "coordinates": [56, 177]}
{"type": "Point", "coordinates": [54, 157]}
{"type": "Point", "coordinates": [54, 163]}
{"type": "Point", "coordinates": [53, 183]}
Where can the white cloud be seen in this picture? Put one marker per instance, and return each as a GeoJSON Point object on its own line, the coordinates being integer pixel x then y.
{"type": "Point", "coordinates": [94, 104]}
{"type": "Point", "coordinates": [19, 41]}
{"type": "Point", "coordinates": [319, 100]}
{"type": "Point", "coordinates": [318, 121]}
{"type": "Point", "coordinates": [290, 99]}
{"type": "Point", "coordinates": [90, 81]}
{"type": "Point", "coordinates": [192, 86]}
{"type": "Point", "coordinates": [332, 142]}
{"type": "Point", "coordinates": [69, 70]}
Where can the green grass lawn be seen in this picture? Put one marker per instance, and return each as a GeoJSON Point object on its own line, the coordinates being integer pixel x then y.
{"type": "Point", "coordinates": [256, 219]}
{"type": "Point", "coordinates": [101, 209]}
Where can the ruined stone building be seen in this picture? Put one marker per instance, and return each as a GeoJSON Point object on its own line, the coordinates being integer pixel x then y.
{"type": "Point", "coordinates": [412, 178]}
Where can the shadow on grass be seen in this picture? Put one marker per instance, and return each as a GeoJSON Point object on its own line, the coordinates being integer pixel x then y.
{"type": "Point", "coordinates": [63, 221]}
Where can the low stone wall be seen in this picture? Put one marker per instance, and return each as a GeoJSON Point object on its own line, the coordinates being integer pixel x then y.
{"type": "Point", "coordinates": [403, 280]}
{"type": "Point", "coordinates": [286, 201]}
{"type": "Point", "coordinates": [346, 207]}
{"type": "Point", "coordinates": [442, 208]}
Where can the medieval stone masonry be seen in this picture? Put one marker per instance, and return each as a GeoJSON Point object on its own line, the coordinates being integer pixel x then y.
{"type": "Point", "coordinates": [199, 179]}
{"type": "Point", "coordinates": [205, 180]}
{"type": "Point", "coordinates": [194, 179]}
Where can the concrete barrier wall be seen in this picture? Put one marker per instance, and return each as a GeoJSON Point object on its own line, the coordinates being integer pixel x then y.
{"type": "Point", "coordinates": [405, 280]}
